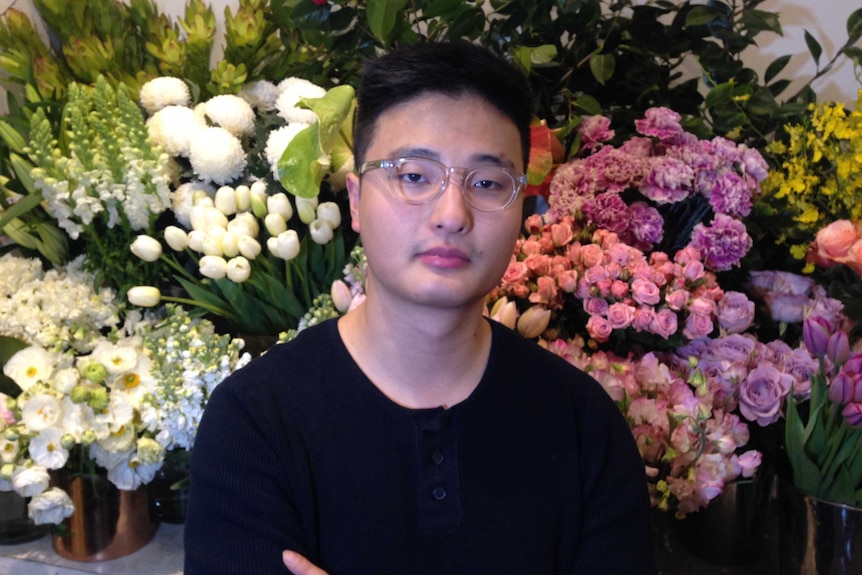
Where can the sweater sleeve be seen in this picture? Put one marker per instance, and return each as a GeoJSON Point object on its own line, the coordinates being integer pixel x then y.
{"type": "Point", "coordinates": [241, 516]}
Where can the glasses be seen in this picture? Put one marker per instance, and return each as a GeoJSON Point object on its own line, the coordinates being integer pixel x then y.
{"type": "Point", "coordinates": [421, 181]}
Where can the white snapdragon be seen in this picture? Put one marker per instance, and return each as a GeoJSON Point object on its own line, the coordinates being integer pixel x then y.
{"type": "Point", "coordinates": [164, 91]}
{"type": "Point", "coordinates": [231, 113]}
{"type": "Point", "coordinates": [216, 155]}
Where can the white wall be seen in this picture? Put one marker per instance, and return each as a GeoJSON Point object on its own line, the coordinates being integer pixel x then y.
{"type": "Point", "coordinates": [825, 19]}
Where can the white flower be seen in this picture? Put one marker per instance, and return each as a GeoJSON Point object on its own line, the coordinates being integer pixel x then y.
{"type": "Point", "coordinates": [280, 204]}
{"type": "Point", "coordinates": [176, 238]}
{"type": "Point", "coordinates": [320, 231]}
{"type": "Point", "coordinates": [249, 247]}
{"type": "Point", "coordinates": [9, 450]}
{"type": "Point", "coordinates": [307, 208]}
{"type": "Point", "coordinates": [30, 481]}
{"type": "Point", "coordinates": [173, 128]}
{"type": "Point", "coordinates": [117, 358]}
{"type": "Point", "coordinates": [41, 412]}
{"type": "Point", "coordinates": [213, 267]}
{"type": "Point", "coordinates": [274, 224]}
{"type": "Point", "coordinates": [277, 142]}
{"type": "Point", "coordinates": [341, 296]}
{"type": "Point", "coordinates": [130, 474]}
{"type": "Point", "coordinates": [244, 224]}
{"type": "Point", "coordinates": [196, 240]}
{"type": "Point", "coordinates": [28, 366]}
{"type": "Point", "coordinates": [149, 452]}
{"type": "Point", "coordinates": [331, 213]}
{"type": "Point", "coordinates": [50, 507]}
{"type": "Point", "coordinates": [65, 379]}
{"type": "Point", "coordinates": [261, 95]}
{"type": "Point", "coordinates": [216, 155]}
{"type": "Point", "coordinates": [230, 244]}
{"type": "Point", "coordinates": [231, 113]}
{"type": "Point", "coordinates": [184, 198]}
{"type": "Point", "coordinates": [287, 245]}
{"type": "Point", "coordinates": [242, 197]}
{"type": "Point", "coordinates": [144, 296]}
{"type": "Point", "coordinates": [46, 449]}
{"type": "Point", "coordinates": [238, 269]}
{"type": "Point", "coordinates": [225, 200]}
{"type": "Point", "coordinates": [147, 248]}
{"type": "Point", "coordinates": [164, 91]}
{"type": "Point", "coordinates": [291, 90]}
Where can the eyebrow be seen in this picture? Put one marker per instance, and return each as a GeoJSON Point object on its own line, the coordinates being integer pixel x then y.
{"type": "Point", "coordinates": [478, 158]}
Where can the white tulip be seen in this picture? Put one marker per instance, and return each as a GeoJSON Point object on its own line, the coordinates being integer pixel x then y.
{"type": "Point", "coordinates": [238, 269]}
{"type": "Point", "coordinates": [249, 247]}
{"type": "Point", "coordinates": [307, 208]}
{"type": "Point", "coordinates": [258, 199]}
{"type": "Point", "coordinates": [320, 232]}
{"type": "Point", "coordinates": [272, 246]}
{"type": "Point", "coordinates": [213, 267]}
{"type": "Point", "coordinates": [534, 321]}
{"type": "Point", "coordinates": [280, 204]}
{"type": "Point", "coordinates": [245, 221]}
{"type": "Point", "coordinates": [196, 240]}
{"type": "Point", "coordinates": [274, 223]}
{"type": "Point", "coordinates": [225, 200]}
{"type": "Point", "coordinates": [330, 212]}
{"type": "Point", "coordinates": [214, 217]}
{"type": "Point", "coordinates": [243, 198]}
{"type": "Point", "coordinates": [176, 238]}
{"type": "Point", "coordinates": [287, 246]}
{"type": "Point", "coordinates": [198, 217]}
{"type": "Point", "coordinates": [147, 248]}
{"type": "Point", "coordinates": [144, 296]}
{"type": "Point", "coordinates": [203, 199]}
{"type": "Point", "coordinates": [230, 244]}
{"type": "Point", "coordinates": [211, 246]}
{"type": "Point", "coordinates": [341, 296]}
{"type": "Point", "coordinates": [258, 187]}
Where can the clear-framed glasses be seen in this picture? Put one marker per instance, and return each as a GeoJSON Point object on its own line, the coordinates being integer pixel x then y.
{"type": "Point", "coordinates": [422, 180]}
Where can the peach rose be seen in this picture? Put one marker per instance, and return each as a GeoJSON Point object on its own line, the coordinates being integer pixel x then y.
{"type": "Point", "coordinates": [834, 241]}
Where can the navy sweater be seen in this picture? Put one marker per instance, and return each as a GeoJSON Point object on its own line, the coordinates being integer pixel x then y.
{"type": "Point", "coordinates": [535, 473]}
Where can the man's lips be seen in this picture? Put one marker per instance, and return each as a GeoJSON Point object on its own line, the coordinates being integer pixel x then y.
{"type": "Point", "coordinates": [444, 257]}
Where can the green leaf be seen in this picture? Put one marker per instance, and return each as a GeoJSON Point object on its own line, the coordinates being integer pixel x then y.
{"type": "Point", "coordinates": [813, 47]}
{"type": "Point", "coordinates": [381, 15]}
{"type": "Point", "coordinates": [775, 67]}
{"type": "Point", "coordinates": [602, 66]}
{"type": "Point", "coordinates": [543, 54]}
{"type": "Point", "coordinates": [806, 475]}
{"type": "Point", "coordinates": [22, 169]}
{"type": "Point", "coordinates": [719, 95]}
{"type": "Point", "coordinates": [755, 21]}
{"type": "Point", "coordinates": [303, 164]}
{"type": "Point", "coordinates": [9, 346]}
{"type": "Point", "coordinates": [12, 137]}
{"type": "Point", "coordinates": [331, 110]}
{"type": "Point", "coordinates": [700, 16]}
{"type": "Point", "coordinates": [854, 26]}
{"type": "Point", "coordinates": [21, 207]}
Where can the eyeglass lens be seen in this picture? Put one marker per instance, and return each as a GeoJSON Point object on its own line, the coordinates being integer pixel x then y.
{"type": "Point", "coordinates": [419, 181]}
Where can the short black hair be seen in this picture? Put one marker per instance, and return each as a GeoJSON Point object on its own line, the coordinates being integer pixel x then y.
{"type": "Point", "coordinates": [454, 69]}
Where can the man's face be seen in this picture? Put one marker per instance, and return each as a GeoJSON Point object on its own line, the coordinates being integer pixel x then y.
{"type": "Point", "coordinates": [444, 253]}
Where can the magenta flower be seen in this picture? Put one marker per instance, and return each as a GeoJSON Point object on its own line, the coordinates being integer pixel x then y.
{"type": "Point", "coordinates": [668, 181]}
{"type": "Point", "coordinates": [662, 123]}
{"type": "Point", "coordinates": [852, 413]}
{"type": "Point", "coordinates": [723, 244]}
{"type": "Point", "coordinates": [607, 211]}
{"type": "Point", "coordinates": [594, 131]}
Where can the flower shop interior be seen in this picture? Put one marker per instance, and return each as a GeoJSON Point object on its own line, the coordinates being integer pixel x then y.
{"type": "Point", "coordinates": [173, 204]}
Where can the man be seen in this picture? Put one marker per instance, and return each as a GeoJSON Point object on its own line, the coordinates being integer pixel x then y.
{"type": "Point", "coordinates": [412, 435]}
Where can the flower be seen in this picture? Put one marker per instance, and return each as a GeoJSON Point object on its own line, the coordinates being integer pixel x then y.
{"type": "Point", "coordinates": [162, 92]}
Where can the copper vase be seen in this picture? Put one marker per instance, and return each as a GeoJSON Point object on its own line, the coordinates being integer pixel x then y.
{"type": "Point", "coordinates": [107, 522]}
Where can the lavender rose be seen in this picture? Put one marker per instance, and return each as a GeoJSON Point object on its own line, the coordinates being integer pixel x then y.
{"type": "Point", "coordinates": [735, 312]}
{"type": "Point", "coordinates": [762, 393]}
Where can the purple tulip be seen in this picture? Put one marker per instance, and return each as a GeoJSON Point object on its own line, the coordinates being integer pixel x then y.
{"type": "Point", "coordinates": [838, 348]}
{"type": "Point", "coordinates": [842, 388]}
{"type": "Point", "coordinates": [852, 412]}
{"type": "Point", "coordinates": [815, 334]}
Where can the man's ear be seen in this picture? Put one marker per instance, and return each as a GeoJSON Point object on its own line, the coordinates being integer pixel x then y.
{"type": "Point", "coordinates": [353, 198]}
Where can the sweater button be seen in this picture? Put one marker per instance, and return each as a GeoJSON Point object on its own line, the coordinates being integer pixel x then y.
{"type": "Point", "coordinates": [437, 457]}
{"type": "Point", "coordinates": [439, 493]}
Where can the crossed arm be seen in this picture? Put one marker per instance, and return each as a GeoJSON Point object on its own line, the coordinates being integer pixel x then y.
{"type": "Point", "coordinates": [299, 565]}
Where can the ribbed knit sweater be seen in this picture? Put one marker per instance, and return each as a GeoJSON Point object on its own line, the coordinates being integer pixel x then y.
{"type": "Point", "coordinates": [535, 473]}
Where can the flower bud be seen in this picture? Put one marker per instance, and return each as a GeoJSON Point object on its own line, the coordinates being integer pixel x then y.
{"type": "Point", "coordinates": [149, 451]}
{"type": "Point", "coordinates": [815, 334]}
{"type": "Point", "coordinates": [852, 412]}
{"type": "Point", "coordinates": [68, 441]}
{"type": "Point", "coordinates": [341, 296]}
{"type": "Point", "coordinates": [243, 198]}
{"type": "Point", "coordinates": [238, 269]}
{"type": "Point", "coordinates": [274, 223]}
{"type": "Point", "coordinates": [95, 372]}
{"type": "Point", "coordinates": [214, 217]}
{"type": "Point", "coordinates": [534, 321]}
{"type": "Point", "coordinates": [144, 296]}
{"type": "Point", "coordinates": [505, 312]}
{"type": "Point", "coordinates": [258, 200]}
{"type": "Point", "coordinates": [230, 244]}
{"type": "Point", "coordinates": [307, 208]}
{"type": "Point", "coordinates": [838, 348]}
{"type": "Point", "coordinates": [147, 248]}
{"type": "Point", "coordinates": [213, 267]}
{"type": "Point", "coordinates": [198, 217]}
{"type": "Point", "coordinates": [320, 232]}
{"type": "Point", "coordinates": [80, 394]}
{"type": "Point", "coordinates": [176, 238]}
{"type": "Point", "coordinates": [98, 399]}
{"type": "Point", "coordinates": [329, 212]}
{"type": "Point", "coordinates": [225, 200]}
{"type": "Point", "coordinates": [6, 471]}
{"type": "Point", "coordinates": [248, 247]}
{"type": "Point", "coordinates": [287, 245]}
{"type": "Point", "coordinates": [280, 204]}
{"type": "Point", "coordinates": [211, 245]}
{"type": "Point", "coordinates": [88, 438]}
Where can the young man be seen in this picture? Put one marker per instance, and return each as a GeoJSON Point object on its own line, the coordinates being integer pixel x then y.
{"type": "Point", "coordinates": [414, 436]}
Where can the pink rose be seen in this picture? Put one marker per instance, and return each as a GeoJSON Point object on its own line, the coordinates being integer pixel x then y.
{"type": "Point", "coordinates": [619, 289]}
{"type": "Point", "coordinates": [620, 315]}
{"type": "Point", "coordinates": [595, 274]}
{"type": "Point", "coordinates": [833, 242]}
{"type": "Point", "coordinates": [530, 247]}
{"type": "Point", "coordinates": [516, 274]}
{"type": "Point", "coordinates": [702, 306]}
{"type": "Point", "coordinates": [762, 393]}
{"type": "Point", "coordinates": [735, 312]}
{"type": "Point", "coordinates": [595, 306]}
{"type": "Point", "coordinates": [538, 264]}
{"type": "Point", "coordinates": [645, 292]}
{"type": "Point", "coordinates": [599, 328]}
{"type": "Point", "coordinates": [665, 323]}
{"type": "Point", "coordinates": [644, 316]}
{"type": "Point", "coordinates": [677, 299]}
{"type": "Point", "coordinates": [546, 292]}
{"type": "Point", "coordinates": [567, 280]}
{"type": "Point", "coordinates": [561, 234]}
{"type": "Point", "coordinates": [592, 255]}
{"type": "Point", "coordinates": [534, 224]}
{"type": "Point", "coordinates": [697, 325]}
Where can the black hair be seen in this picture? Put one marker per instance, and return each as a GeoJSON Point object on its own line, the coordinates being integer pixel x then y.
{"type": "Point", "coordinates": [450, 68]}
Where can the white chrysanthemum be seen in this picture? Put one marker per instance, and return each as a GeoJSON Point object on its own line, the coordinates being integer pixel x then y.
{"type": "Point", "coordinates": [277, 142]}
{"type": "Point", "coordinates": [231, 113]}
{"type": "Point", "coordinates": [46, 449]}
{"type": "Point", "coordinates": [183, 200]}
{"type": "Point", "coordinates": [50, 507]}
{"type": "Point", "coordinates": [41, 412]}
{"type": "Point", "coordinates": [260, 95]}
{"type": "Point", "coordinates": [291, 90]}
{"type": "Point", "coordinates": [173, 127]}
{"type": "Point", "coordinates": [164, 91]}
{"type": "Point", "coordinates": [29, 366]}
{"type": "Point", "coordinates": [217, 156]}
{"type": "Point", "coordinates": [30, 481]}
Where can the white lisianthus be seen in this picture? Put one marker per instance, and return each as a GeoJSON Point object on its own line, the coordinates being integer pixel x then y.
{"type": "Point", "coordinates": [249, 247]}
{"type": "Point", "coordinates": [184, 198]}
{"type": "Point", "coordinates": [280, 204]}
{"type": "Point", "coordinates": [216, 155]}
{"type": "Point", "coordinates": [29, 365]}
{"type": "Point", "coordinates": [173, 128]}
{"type": "Point", "coordinates": [117, 357]}
{"type": "Point", "coordinates": [230, 244]}
{"type": "Point", "coordinates": [331, 213]}
{"type": "Point", "coordinates": [274, 223]}
{"type": "Point", "coordinates": [260, 95]}
{"type": "Point", "coordinates": [46, 449]}
{"type": "Point", "coordinates": [9, 449]}
{"type": "Point", "coordinates": [277, 142]}
{"type": "Point", "coordinates": [321, 232]}
{"type": "Point", "coordinates": [147, 248]}
{"type": "Point", "coordinates": [30, 481]}
{"type": "Point", "coordinates": [244, 224]}
{"type": "Point", "coordinates": [176, 238]}
{"type": "Point", "coordinates": [287, 245]}
{"type": "Point", "coordinates": [119, 441]}
{"type": "Point", "coordinates": [131, 474]}
{"type": "Point", "coordinates": [307, 208]}
{"type": "Point", "coordinates": [65, 379]}
{"type": "Point", "coordinates": [213, 267]}
{"type": "Point", "coordinates": [225, 200]}
{"type": "Point", "coordinates": [291, 90]}
{"type": "Point", "coordinates": [231, 113]}
{"type": "Point", "coordinates": [50, 507]}
{"type": "Point", "coordinates": [242, 197]}
{"type": "Point", "coordinates": [144, 296]}
{"type": "Point", "coordinates": [341, 296]}
{"type": "Point", "coordinates": [41, 412]}
{"type": "Point", "coordinates": [164, 91]}
{"type": "Point", "coordinates": [238, 269]}
{"type": "Point", "coordinates": [109, 458]}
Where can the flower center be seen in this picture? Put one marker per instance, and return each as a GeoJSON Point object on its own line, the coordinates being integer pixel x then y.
{"type": "Point", "coordinates": [131, 380]}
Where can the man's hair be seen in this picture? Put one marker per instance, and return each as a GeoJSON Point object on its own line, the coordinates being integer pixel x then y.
{"type": "Point", "coordinates": [449, 68]}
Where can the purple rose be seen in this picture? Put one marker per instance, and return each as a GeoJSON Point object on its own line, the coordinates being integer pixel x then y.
{"type": "Point", "coordinates": [735, 312]}
{"type": "Point", "coordinates": [697, 325]}
{"type": "Point", "coordinates": [733, 348]}
{"type": "Point", "coordinates": [762, 393]}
